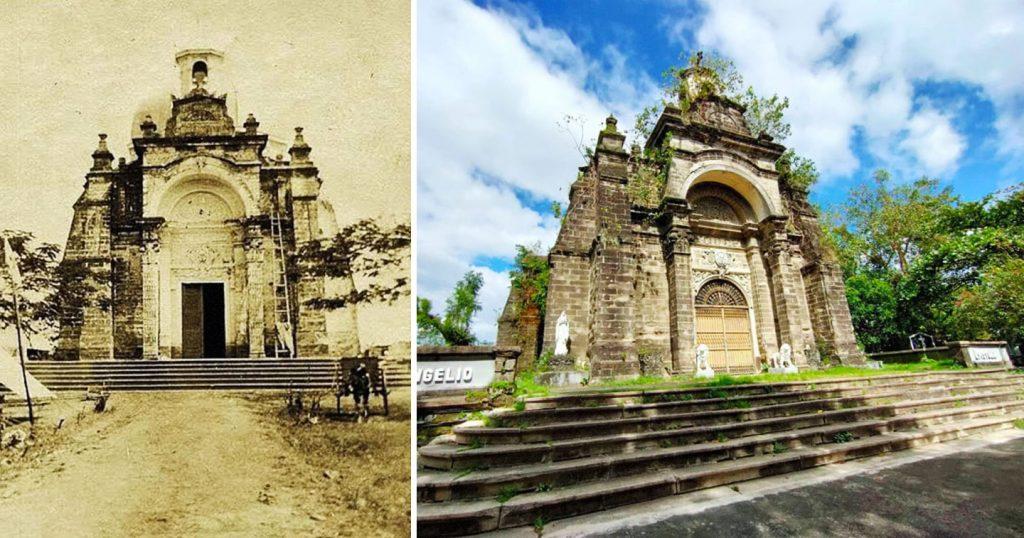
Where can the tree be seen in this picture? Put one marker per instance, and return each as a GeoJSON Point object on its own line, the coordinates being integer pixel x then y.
{"type": "Point", "coordinates": [994, 307]}
{"type": "Point", "coordinates": [873, 308]}
{"type": "Point", "coordinates": [367, 250]}
{"type": "Point", "coordinates": [50, 287]}
{"type": "Point", "coordinates": [452, 328]}
{"type": "Point", "coordinates": [893, 223]}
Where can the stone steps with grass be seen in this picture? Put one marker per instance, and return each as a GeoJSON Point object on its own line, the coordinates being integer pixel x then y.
{"type": "Point", "coordinates": [488, 477]}
{"type": "Point", "coordinates": [476, 455]}
{"type": "Point", "coordinates": [709, 412]}
{"type": "Point", "coordinates": [597, 396]}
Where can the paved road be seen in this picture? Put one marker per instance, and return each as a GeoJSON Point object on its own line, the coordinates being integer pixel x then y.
{"type": "Point", "coordinates": [980, 493]}
{"type": "Point", "coordinates": [174, 464]}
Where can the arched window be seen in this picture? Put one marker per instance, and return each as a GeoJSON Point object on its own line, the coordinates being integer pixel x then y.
{"type": "Point", "coordinates": [720, 293]}
{"type": "Point", "coordinates": [199, 73]}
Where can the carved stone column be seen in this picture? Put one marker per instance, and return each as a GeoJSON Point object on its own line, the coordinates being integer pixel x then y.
{"type": "Point", "coordinates": [151, 288]}
{"type": "Point", "coordinates": [762, 297]}
{"type": "Point", "coordinates": [776, 247]}
{"type": "Point", "coordinates": [254, 286]}
{"type": "Point", "coordinates": [676, 238]}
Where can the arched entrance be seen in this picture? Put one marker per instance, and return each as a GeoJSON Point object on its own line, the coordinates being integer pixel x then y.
{"type": "Point", "coordinates": [723, 324]}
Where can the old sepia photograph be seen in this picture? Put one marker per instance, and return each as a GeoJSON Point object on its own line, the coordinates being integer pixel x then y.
{"type": "Point", "coordinates": [206, 277]}
{"type": "Point", "coordinates": [722, 268]}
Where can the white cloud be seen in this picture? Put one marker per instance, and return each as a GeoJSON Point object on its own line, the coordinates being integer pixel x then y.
{"type": "Point", "coordinates": [933, 141]}
{"type": "Point", "coordinates": [493, 87]}
{"type": "Point", "coordinates": [852, 66]}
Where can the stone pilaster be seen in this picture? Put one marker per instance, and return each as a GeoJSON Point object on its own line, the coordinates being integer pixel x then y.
{"type": "Point", "coordinates": [612, 348]}
{"type": "Point", "coordinates": [151, 289]}
{"type": "Point", "coordinates": [254, 286]}
{"type": "Point", "coordinates": [764, 314]}
{"type": "Point", "coordinates": [676, 240]}
{"type": "Point", "coordinates": [784, 287]}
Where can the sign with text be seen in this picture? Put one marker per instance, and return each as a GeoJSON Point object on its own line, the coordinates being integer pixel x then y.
{"type": "Point", "coordinates": [454, 375]}
{"type": "Point", "coordinates": [988, 355]}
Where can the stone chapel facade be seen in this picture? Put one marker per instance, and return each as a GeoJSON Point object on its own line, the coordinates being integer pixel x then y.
{"type": "Point", "coordinates": [731, 257]}
{"type": "Point", "coordinates": [189, 240]}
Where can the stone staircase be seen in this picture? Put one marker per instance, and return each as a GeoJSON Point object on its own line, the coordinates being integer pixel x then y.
{"type": "Point", "coordinates": [200, 374]}
{"type": "Point", "coordinates": [578, 453]}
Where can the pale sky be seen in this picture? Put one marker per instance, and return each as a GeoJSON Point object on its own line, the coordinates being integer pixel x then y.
{"type": "Point", "coordinates": [341, 70]}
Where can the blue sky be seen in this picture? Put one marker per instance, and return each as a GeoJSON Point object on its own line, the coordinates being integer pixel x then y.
{"type": "Point", "coordinates": [919, 88]}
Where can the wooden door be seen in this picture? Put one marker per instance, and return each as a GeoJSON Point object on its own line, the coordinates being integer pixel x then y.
{"type": "Point", "coordinates": [723, 324]}
{"type": "Point", "coordinates": [191, 321]}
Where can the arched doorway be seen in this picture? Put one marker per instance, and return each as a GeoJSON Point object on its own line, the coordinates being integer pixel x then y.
{"type": "Point", "coordinates": [723, 324]}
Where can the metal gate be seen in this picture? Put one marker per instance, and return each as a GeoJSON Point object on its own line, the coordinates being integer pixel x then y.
{"type": "Point", "coordinates": [723, 324]}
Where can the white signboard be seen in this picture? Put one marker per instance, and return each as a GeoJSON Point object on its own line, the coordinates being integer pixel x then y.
{"type": "Point", "coordinates": [454, 375]}
{"type": "Point", "coordinates": [987, 355]}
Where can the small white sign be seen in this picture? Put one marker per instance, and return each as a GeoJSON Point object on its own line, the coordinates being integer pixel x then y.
{"type": "Point", "coordinates": [987, 355]}
{"type": "Point", "coordinates": [454, 375]}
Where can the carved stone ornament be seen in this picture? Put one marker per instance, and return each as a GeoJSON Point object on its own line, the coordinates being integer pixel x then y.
{"type": "Point", "coordinates": [782, 361]}
{"type": "Point", "coordinates": [704, 370]}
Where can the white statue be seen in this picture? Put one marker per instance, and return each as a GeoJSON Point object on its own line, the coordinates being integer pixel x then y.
{"type": "Point", "coordinates": [562, 335]}
{"type": "Point", "coordinates": [782, 362]}
{"type": "Point", "coordinates": [704, 370]}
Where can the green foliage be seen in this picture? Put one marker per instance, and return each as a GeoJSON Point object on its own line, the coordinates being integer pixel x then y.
{"type": "Point", "coordinates": [530, 275]}
{"type": "Point", "coordinates": [993, 308]}
{"type": "Point", "coordinates": [798, 172]}
{"type": "Point", "coordinates": [556, 210]}
{"type": "Point", "coordinates": [779, 448]}
{"type": "Point", "coordinates": [874, 309]}
{"type": "Point", "coordinates": [1019, 423]}
{"type": "Point", "coordinates": [519, 405]}
{"type": "Point", "coordinates": [842, 437]}
{"type": "Point", "coordinates": [888, 226]}
{"type": "Point", "coordinates": [646, 183]}
{"type": "Point", "coordinates": [766, 115]}
{"type": "Point", "coordinates": [453, 328]}
{"type": "Point", "coordinates": [506, 493]}
{"type": "Point", "coordinates": [366, 249]}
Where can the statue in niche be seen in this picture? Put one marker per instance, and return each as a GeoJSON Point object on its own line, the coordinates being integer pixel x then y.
{"type": "Point", "coordinates": [704, 370]}
{"type": "Point", "coordinates": [562, 335]}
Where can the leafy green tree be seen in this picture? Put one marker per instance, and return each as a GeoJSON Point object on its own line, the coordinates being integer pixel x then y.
{"type": "Point", "coordinates": [894, 223]}
{"type": "Point", "coordinates": [453, 327]}
{"type": "Point", "coordinates": [994, 307]}
{"type": "Point", "coordinates": [873, 307]}
{"type": "Point", "coordinates": [530, 276]}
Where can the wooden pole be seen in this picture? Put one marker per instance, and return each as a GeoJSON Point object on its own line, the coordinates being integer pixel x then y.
{"type": "Point", "coordinates": [21, 354]}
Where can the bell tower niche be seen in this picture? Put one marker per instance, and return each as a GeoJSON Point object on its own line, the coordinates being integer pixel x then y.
{"type": "Point", "coordinates": [198, 67]}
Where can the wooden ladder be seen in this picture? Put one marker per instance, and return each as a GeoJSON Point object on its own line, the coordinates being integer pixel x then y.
{"type": "Point", "coordinates": [285, 342]}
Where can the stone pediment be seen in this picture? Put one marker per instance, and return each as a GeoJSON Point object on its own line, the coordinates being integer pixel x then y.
{"type": "Point", "coordinates": [200, 114]}
{"type": "Point", "coordinates": [719, 113]}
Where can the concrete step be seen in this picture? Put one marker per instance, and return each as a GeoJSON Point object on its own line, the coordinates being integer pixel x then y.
{"type": "Point", "coordinates": [725, 411]}
{"type": "Point", "coordinates": [460, 517]}
{"type": "Point", "coordinates": [689, 402]}
{"type": "Point", "coordinates": [595, 397]}
{"type": "Point", "coordinates": [200, 374]}
{"type": "Point", "coordinates": [456, 457]}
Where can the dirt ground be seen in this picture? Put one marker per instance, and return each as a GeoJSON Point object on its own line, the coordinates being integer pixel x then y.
{"type": "Point", "coordinates": [198, 464]}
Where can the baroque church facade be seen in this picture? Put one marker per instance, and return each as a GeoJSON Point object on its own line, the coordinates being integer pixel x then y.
{"type": "Point", "coordinates": [729, 256]}
{"type": "Point", "coordinates": [191, 241]}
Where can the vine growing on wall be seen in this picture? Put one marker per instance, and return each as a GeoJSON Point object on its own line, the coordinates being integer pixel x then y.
{"type": "Point", "coordinates": [530, 275]}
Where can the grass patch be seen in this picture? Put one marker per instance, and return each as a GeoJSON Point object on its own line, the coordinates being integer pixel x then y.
{"type": "Point", "coordinates": [1019, 423]}
{"type": "Point", "coordinates": [506, 493]}
{"type": "Point", "coordinates": [842, 437]}
{"type": "Point", "coordinates": [726, 380]}
{"type": "Point", "coordinates": [373, 457]}
{"type": "Point", "coordinates": [519, 406]}
{"type": "Point", "coordinates": [779, 448]}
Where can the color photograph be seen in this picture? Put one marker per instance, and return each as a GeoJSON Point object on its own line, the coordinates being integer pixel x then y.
{"type": "Point", "coordinates": [677, 260]}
